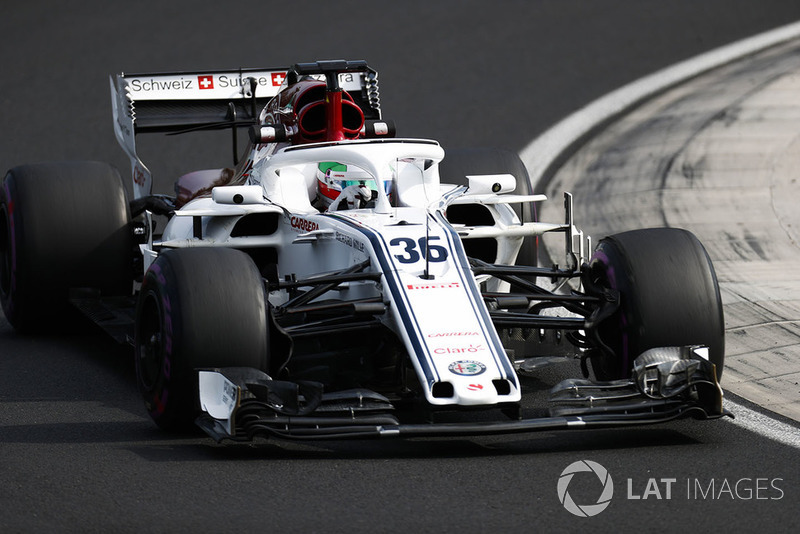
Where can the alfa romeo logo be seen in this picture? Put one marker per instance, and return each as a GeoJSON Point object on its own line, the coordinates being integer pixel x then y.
{"type": "Point", "coordinates": [585, 510]}
{"type": "Point", "coordinates": [466, 368]}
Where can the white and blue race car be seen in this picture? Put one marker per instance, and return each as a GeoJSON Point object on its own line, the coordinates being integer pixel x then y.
{"type": "Point", "coordinates": [338, 281]}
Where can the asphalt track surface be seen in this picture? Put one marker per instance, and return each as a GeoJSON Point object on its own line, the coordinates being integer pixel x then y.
{"type": "Point", "coordinates": [77, 451]}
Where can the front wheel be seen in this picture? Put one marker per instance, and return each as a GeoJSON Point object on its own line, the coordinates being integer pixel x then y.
{"type": "Point", "coordinates": [200, 307]}
{"type": "Point", "coordinates": [669, 296]}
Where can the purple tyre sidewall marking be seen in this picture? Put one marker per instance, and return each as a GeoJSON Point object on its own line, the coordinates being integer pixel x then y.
{"type": "Point", "coordinates": [12, 286]}
{"type": "Point", "coordinates": [611, 276]}
{"type": "Point", "coordinates": [160, 393]}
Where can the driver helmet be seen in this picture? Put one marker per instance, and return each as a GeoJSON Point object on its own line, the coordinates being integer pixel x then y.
{"type": "Point", "coordinates": [333, 177]}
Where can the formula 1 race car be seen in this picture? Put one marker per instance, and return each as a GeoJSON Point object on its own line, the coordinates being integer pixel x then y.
{"type": "Point", "coordinates": [339, 281]}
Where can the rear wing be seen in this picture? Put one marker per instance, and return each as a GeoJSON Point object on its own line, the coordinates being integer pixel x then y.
{"type": "Point", "coordinates": [188, 101]}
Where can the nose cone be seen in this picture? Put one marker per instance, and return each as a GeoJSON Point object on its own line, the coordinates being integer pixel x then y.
{"type": "Point", "coordinates": [476, 391]}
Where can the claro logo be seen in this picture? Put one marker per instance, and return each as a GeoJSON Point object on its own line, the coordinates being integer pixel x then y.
{"type": "Point", "coordinates": [459, 350]}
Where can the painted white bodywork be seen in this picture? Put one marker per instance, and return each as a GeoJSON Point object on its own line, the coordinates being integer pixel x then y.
{"type": "Point", "coordinates": [434, 304]}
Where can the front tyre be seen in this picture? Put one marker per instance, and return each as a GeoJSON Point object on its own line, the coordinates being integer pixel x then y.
{"type": "Point", "coordinates": [199, 307]}
{"type": "Point", "coordinates": [669, 296]}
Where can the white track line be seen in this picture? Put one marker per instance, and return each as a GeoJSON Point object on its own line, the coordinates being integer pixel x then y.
{"type": "Point", "coordinates": [553, 146]}
{"type": "Point", "coordinates": [764, 425]}
{"type": "Point", "coordinates": [547, 149]}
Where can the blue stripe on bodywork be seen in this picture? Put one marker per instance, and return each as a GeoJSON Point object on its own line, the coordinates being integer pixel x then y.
{"type": "Point", "coordinates": [476, 299]}
{"type": "Point", "coordinates": [396, 288]}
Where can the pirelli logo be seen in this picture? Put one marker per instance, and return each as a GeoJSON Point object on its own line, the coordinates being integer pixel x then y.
{"type": "Point", "coordinates": [445, 285]}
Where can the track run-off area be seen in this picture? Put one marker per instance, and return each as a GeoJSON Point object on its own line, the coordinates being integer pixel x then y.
{"type": "Point", "coordinates": [710, 145]}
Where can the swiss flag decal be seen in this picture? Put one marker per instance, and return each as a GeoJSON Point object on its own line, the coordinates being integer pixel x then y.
{"type": "Point", "coordinates": [205, 82]}
{"type": "Point", "coordinates": [277, 78]}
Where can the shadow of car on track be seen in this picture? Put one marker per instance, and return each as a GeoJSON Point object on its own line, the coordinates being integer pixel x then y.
{"type": "Point", "coordinates": [668, 435]}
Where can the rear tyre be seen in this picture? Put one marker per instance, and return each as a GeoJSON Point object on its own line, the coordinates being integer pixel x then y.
{"type": "Point", "coordinates": [62, 225]}
{"type": "Point", "coordinates": [200, 307]}
{"type": "Point", "coordinates": [669, 296]}
{"type": "Point", "coordinates": [459, 163]}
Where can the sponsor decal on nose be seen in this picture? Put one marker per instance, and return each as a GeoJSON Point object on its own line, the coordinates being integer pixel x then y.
{"type": "Point", "coordinates": [467, 368]}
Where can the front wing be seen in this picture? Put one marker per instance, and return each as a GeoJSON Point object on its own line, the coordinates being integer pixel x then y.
{"type": "Point", "coordinates": [667, 383]}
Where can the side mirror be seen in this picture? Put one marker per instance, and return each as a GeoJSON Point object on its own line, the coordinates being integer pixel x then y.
{"type": "Point", "coordinates": [238, 194]}
{"type": "Point", "coordinates": [486, 184]}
